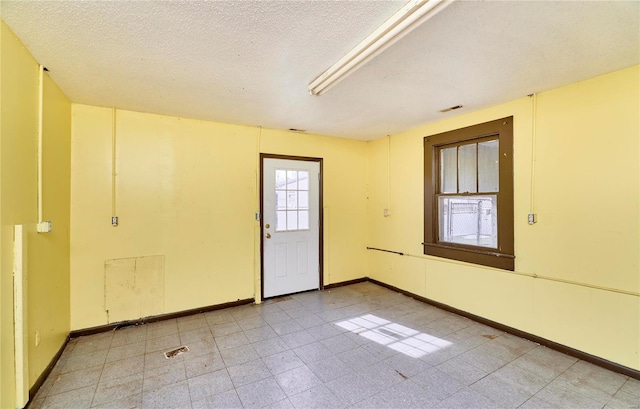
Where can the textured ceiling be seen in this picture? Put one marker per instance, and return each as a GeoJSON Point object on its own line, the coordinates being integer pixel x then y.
{"type": "Point", "coordinates": [249, 63]}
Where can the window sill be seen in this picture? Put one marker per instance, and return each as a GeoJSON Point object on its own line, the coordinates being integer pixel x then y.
{"type": "Point", "coordinates": [476, 256]}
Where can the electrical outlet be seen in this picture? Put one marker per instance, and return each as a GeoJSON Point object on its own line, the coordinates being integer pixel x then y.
{"type": "Point", "coordinates": [114, 221]}
{"type": "Point", "coordinates": [386, 213]}
{"type": "Point", "coordinates": [532, 218]}
{"type": "Point", "coordinates": [37, 338]}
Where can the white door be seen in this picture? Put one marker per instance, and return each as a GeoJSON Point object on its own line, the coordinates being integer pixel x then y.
{"type": "Point", "coordinates": [290, 226]}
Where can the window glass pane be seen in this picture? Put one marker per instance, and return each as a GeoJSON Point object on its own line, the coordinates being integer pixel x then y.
{"type": "Point", "coordinates": [281, 179]}
{"type": "Point", "coordinates": [467, 168]}
{"type": "Point", "coordinates": [281, 220]}
{"type": "Point", "coordinates": [488, 158]}
{"type": "Point", "coordinates": [292, 193]}
{"type": "Point", "coordinates": [303, 220]}
{"type": "Point", "coordinates": [468, 220]}
{"type": "Point", "coordinates": [281, 199]}
{"type": "Point", "coordinates": [292, 220]}
{"type": "Point", "coordinates": [303, 200]}
{"type": "Point", "coordinates": [303, 180]}
{"type": "Point", "coordinates": [448, 170]}
{"type": "Point", "coordinates": [292, 180]}
{"type": "Point", "coordinates": [292, 200]}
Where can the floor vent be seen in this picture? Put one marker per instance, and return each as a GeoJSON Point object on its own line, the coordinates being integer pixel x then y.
{"type": "Point", "coordinates": [175, 352]}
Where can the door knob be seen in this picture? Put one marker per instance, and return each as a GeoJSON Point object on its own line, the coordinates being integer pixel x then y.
{"type": "Point", "coordinates": [268, 235]}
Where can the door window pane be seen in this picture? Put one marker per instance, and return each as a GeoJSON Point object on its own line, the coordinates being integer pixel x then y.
{"type": "Point", "coordinates": [467, 168]}
{"type": "Point", "coordinates": [468, 220]}
{"type": "Point", "coordinates": [303, 220]}
{"type": "Point", "coordinates": [281, 220]}
{"type": "Point", "coordinates": [281, 199]}
{"type": "Point", "coordinates": [303, 180]}
{"type": "Point", "coordinates": [281, 179]}
{"type": "Point", "coordinates": [448, 170]}
{"type": "Point", "coordinates": [292, 220]}
{"type": "Point", "coordinates": [292, 180]}
{"type": "Point", "coordinates": [488, 157]}
{"type": "Point", "coordinates": [292, 200]}
{"type": "Point", "coordinates": [303, 200]}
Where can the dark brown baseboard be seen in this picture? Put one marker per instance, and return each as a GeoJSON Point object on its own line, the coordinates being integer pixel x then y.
{"type": "Point", "coordinates": [596, 360]}
{"type": "Point", "coordinates": [343, 283]}
{"type": "Point", "coordinates": [47, 371]}
{"type": "Point", "coordinates": [109, 327]}
{"type": "Point", "coordinates": [514, 331]}
{"type": "Point", "coordinates": [155, 318]}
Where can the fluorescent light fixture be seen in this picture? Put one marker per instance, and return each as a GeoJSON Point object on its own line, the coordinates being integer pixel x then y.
{"type": "Point", "coordinates": [400, 24]}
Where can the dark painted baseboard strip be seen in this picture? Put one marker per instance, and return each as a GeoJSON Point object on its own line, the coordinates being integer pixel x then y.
{"type": "Point", "coordinates": [514, 331]}
{"type": "Point", "coordinates": [343, 283]}
{"type": "Point", "coordinates": [47, 371]}
{"type": "Point", "coordinates": [596, 360]}
{"type": "Point", "coordinates": [155, 318]}
{"type": "Point", "coordinates": [104, 328]}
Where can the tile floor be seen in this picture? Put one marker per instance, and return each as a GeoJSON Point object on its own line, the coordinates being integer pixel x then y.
{"type": "Point", "coordinates": [359, 346]}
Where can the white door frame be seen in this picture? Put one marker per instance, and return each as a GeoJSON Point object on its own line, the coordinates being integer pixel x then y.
{"type": "Point", "coordinates": [264, 156]}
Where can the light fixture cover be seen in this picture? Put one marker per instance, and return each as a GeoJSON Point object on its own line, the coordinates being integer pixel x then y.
{"type": "Point", "coordinates": [410, 16]}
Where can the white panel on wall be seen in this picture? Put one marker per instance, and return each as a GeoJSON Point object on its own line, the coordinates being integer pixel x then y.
{"type": "Point", "coordinates": [134, 287]}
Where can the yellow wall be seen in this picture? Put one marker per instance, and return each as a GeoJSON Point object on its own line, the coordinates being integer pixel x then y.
{"type": "Point", "coordinates": [345, 175]}
{"type": "Point", "coordinates": [187, 190]}
{"type": "Point", "coordinates": [586, 196]}
{"type": "Point", "coordinates": [48, 254]}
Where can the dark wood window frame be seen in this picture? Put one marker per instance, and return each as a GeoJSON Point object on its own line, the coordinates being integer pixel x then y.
{"type": "Point", "coordinates": [503, 257]}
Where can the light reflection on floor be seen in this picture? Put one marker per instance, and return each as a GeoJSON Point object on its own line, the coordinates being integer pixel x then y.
{"type": "Point", "coordinates": [395, 336]}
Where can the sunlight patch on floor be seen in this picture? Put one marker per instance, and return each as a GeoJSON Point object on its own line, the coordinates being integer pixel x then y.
{"type": "Point", "coordinates": [395, 336]}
